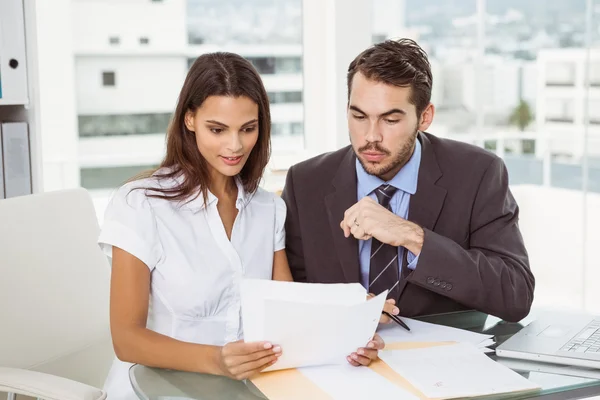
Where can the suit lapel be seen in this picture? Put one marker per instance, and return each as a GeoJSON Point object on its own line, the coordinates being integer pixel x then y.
{"type": "Point", "coordinates": [337, 202]}
{"type": "Point", "coordinates": [426, 204]}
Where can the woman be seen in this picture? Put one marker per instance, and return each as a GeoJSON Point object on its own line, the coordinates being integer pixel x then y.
{"type": "Point", "coordinates": [182, 238]}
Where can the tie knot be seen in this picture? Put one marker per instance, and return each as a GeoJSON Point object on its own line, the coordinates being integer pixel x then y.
{"type": "Point", "coordinates": [384, 194]}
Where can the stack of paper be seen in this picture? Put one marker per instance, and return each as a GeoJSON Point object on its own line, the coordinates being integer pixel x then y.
{"type": "Point", "coordinates": [426, 332]}
{"type": "Point", "coordinates": [315, 324]}
{"type": "Point", "coordinates": [454, 370]}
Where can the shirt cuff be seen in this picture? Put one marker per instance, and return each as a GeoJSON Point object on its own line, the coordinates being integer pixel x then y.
{"type": "Point", "coordinates": [412, 260]}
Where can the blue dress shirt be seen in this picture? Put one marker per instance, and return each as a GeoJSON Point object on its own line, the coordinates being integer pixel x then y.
{"type": "Point", "coordinates": [406, 183]}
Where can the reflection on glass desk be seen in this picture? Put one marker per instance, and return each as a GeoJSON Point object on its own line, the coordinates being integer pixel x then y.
{"type": "Point", "coordinates": [557, 382]}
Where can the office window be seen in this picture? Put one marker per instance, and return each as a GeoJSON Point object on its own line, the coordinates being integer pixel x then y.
{"type": "Point", "coordinates": [123, 124]}
{"type": "Point", "coordinates": [297, 128]}
{"type": "Point", "coordinates": [560, 74]}
{"type": "Point", "coordinates": [594, 70]}
{"type": "Point", "coordinates": [114, 40]}
{"type": "Point", "coordinates": [264, 65]}
{"type": "Point", "coordinates": [224, 22]}
{"type": "Point", "coordinates": [277, 65]}
{"type": "Point", "coordinates": [268, 33]}
{"type": "Point", "coordinates": [594, 112]}
{"type": "Point", "coordinates": [110, 177]}
{"type": "Point", "coordinates": [285, 97]}
{"type": "Point", "coordinates": [288, 65]}
{"type": "Point", "coordinates": [560, 110]}
{"type": "Point", "coordinates": [108, 78]}
{"type": "Point", "coordinates": [144, 40]}
{"type": "Point", "coordinates": [277, 129]}
{"type": "Point", "coordinates": [516, 109]}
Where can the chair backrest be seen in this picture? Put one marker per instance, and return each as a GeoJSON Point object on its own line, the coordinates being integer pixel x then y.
{"type": "Point", "coordinates": [54, 287]}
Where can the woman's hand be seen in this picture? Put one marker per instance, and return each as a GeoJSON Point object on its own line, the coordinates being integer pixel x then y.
{"type": "Point", "coordinates": [366, 355]}
{"type": "Point", "coordinates": [240, 360]}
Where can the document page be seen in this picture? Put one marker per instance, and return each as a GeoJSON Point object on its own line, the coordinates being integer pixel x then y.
{"type": "Point", "coordinates": [254, 293]}
{"type": "Point", "coordinates": [427, 332]}
{"type": "Point", "coordinates": [345, 382]}
{"type": "Point", "coordinates": [452, 371]}
{"type": "Point", "coordinates": [321, 326]}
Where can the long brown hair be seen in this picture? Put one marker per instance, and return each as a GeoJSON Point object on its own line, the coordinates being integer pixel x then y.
{"type": "Point", "coordinates": [400, 63]}
{"type": "Point", "coordinates": [212, 74]}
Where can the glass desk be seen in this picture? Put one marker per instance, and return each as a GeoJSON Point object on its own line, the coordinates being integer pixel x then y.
{"type": "Point", "coordinates": [557, 382]}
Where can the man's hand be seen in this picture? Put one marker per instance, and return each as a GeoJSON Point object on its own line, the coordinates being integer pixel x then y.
{"type": "Point", "coordinates": [389, 306]}
{"type": "Point", "coordinates": [366, 355]}
{"type": "Point", "coordinates": [367, 219]}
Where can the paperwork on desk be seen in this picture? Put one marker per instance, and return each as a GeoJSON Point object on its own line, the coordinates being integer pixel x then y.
{"type": "Point", "coordinates": [427, 332]}
{"type": "Point", "coordinates": [348, 382]}
{"type": "Point", "coordinates": [315, 324]}
{"type": "Point", "coordinates": [422, 370]}
{"type": "Point", "coordinates": [454, 370]}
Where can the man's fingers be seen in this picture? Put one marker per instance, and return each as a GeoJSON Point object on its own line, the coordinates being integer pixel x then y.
{"type": "Point", "coordinates": [391, 308]}
{"type": "Point", "coordinates": [345, 228]}
{"type": "Point", "coordinates": [384, 319]}
{"type": "Point", "coordinates": [357, 231]}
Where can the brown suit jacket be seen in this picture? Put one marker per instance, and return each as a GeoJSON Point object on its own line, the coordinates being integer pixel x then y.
{"type": "Point", "coordinates": [473, 256]}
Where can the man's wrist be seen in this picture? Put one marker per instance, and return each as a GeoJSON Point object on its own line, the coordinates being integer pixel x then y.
{"type": "Point", "coordinates": [411, 237]}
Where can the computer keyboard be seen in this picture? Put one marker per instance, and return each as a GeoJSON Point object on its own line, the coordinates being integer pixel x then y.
{"type": "Point", "coordinates": [586, 341]}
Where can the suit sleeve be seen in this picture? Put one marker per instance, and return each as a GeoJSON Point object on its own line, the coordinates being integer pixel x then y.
{"type": "Point", "coordinates": [493, 275]}
{"type": "Point", "coordinates": [294, 249]}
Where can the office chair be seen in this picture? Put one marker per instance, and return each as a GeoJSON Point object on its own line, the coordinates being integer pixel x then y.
{"type": "Point", "coordinates": [54, 287]}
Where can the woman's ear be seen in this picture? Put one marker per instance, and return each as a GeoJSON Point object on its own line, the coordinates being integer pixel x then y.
{"type": "Point", "coordinates": [189, 121]}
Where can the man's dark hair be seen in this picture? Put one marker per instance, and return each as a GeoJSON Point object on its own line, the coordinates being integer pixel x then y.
{"type": "Point", "coordinates": [400, 63]}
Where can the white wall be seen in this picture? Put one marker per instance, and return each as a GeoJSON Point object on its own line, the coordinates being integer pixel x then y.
{"type": "Point", "coordinates": [54, 98]}
{"type": "Point", "coordinates": [144, 84]}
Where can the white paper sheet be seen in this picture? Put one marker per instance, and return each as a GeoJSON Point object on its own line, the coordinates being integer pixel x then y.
{"type": "Point", "coordinates": [345, 382]}
{"type": "Point", "coordinates": [427, 332]}
{"type": "Point", "coordinates": [457, 370]}
{"type": "Point", "coordinates": [254, 292]}
{"type": "Point", "coordinates": [313, 324]}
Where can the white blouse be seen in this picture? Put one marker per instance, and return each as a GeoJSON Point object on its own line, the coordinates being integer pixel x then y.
{"type": "Point", "coordinates": [195, 269]}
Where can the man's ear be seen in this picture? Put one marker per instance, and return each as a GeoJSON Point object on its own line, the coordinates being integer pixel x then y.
{"type": "Point", "coordinates": [426, 117]}
{"type": "Point", "coordinates": [189, 121]}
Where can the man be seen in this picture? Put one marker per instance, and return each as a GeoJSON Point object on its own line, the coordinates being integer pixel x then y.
{"type": "Point", "coordinates": [431, 220]}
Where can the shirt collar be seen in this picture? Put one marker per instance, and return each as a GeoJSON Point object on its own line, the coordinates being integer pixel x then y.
{"type": "Point", "coordinates": [405, 180]}
{"type": "Point", "coordinates": [196, 201]}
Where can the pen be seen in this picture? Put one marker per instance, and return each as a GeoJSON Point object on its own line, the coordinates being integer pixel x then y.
{"type": "Point", "coordinates": [397, 320]}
